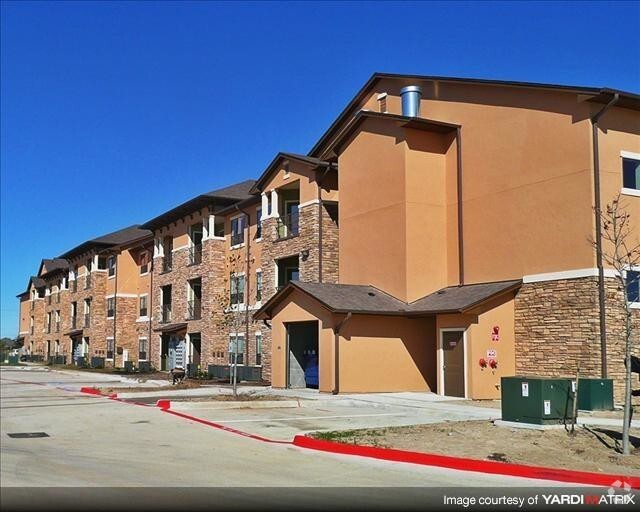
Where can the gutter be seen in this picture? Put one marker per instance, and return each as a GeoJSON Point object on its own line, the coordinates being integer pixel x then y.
{"type": "Point", "coordinates": [459, 194]}
{"type": "Point", "coordinates": [597, 210]}
{"type": "Point", "coordinates": [336, 332]}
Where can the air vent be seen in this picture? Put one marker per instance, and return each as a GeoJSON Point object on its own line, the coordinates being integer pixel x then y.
{"type": "Point", "coordinates": [371, 294]}
{"type": "Point", "coordinates": [28, 435]}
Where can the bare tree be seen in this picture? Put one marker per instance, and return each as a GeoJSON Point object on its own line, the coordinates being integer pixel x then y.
{"type": "Point", "coordinates": [622, 253]}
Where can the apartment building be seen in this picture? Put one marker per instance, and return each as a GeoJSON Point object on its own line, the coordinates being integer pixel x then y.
{"type": "Point", "coordinates": [436, 237]}
{"type": "Point", "coordinates": [89, 301]}
{"type": "Point", "coordinates": [466, 212]}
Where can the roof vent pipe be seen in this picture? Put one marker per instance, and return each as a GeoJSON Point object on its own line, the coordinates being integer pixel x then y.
{"type": "Point", "coordinates": [411, 96]}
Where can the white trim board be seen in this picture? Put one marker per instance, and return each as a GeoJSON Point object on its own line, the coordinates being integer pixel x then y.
{"type": "Point", "coordinates": [630, 154]}
{"type": "Point", "coordinates": [567, 274]}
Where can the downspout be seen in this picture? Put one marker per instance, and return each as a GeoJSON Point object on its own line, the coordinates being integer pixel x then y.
{"type": "Point", "coordinates": [459, 198]}
{"type": "Point", "coordinates": [320, 180]}
{"type": "Point", "coordinates": [150, 307]}
{"type": "Point", "coordinates": [597, 202]}
{"type": "Point", "coordinates": [336, 352]}
{"type": "Point", "coordinates": [115, 314]}
{"type": "Point", "coordinates": [247, 285]}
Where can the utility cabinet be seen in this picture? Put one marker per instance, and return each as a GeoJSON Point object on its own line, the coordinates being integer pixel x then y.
{"type": "Point", "coordinates": [595, 394]}
{"type": "Point", "coordinates": [538, 400]}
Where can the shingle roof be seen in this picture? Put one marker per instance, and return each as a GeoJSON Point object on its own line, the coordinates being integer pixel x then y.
{"type": "Point", "coordinates": [122, 236]}
{"type": "Point", "coordinates": [52, 265]}
{"type": "Point", "coordinates": [38, 282]}
{"type": "Point", "coordinates": [222, 197]}
{"type": "Point", "coordinates": [366, 299]}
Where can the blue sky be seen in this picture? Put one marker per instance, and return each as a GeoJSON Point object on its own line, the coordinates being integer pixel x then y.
{"type": "Point", "coordinates": [114, 112]}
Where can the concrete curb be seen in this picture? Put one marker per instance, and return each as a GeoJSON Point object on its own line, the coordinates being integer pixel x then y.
{"type": "Point", "coordinates": [219, 405]}
{"type": "Point", "coordinates": [464, 464]}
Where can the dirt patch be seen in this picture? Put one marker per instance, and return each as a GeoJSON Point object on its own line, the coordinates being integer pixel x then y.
{"type": "Point", "coordinates": [488, 404]}
{"type": "Point", "coordinates": [591, 449]}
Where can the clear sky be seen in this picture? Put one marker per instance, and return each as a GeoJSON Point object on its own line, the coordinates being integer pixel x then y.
{"type": "Point", "coordinates": [114, 112]}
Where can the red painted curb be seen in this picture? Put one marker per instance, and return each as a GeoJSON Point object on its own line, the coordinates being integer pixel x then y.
{"type": "Point", "coordinates": [222, 427]}
{"type": "Point", "coordinates": [163, 404]}
{"type": "Point", "coordinates": [480, 466]}
{"type": "Point", "coordinates": [90, 391]}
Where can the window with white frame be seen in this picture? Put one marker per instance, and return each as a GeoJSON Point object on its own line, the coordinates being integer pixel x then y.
{"type": "Point", "coordinates": [258, 285]}
{"type": "Point", "coordinates": [143, 349]}
{"type": "Point", "coordinates": [110, 348]}
{"type": "Point", "coordinates": [143, 306]}
{"type": "Point", "coordinates": [237, 230]}
{"type": "Point", "coordinates": [111, 307]}
{"type": "Point", "coordinates": [237, 289]}
{"type": "Point", "coordinates": [144, 263]}
{"type": "Point", "coordinates": [258, 223]}
{"type": "Point", "coordinates": [111, 265]}
{"type": "Point", "coordinates": [258, 348]}
{"type": "Point", "coordinates": [631, 173]}
{"type": "Point", "coordinates": [236, 348]}
{"type": "Point", "coordinates": [632, 282]}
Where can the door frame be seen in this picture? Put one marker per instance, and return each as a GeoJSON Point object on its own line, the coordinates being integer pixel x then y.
{"type": "Point", "coordinates": [442, 330]}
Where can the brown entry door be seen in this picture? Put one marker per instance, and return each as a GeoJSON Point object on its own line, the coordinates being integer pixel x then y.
{"type": "Point", "coordinates": [453, 362]}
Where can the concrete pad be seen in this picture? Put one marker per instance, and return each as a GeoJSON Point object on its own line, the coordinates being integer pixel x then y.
{"type": "Point", "coordinates": [220, 405]}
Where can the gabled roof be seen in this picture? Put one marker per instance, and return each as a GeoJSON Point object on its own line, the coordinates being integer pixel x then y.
{"type": "Point", "coordinates": [122, 236]}
{"type": "Point", "coordinates": [369, 300]}
{"type": "Point", "coordinates": [51, 266]}
{"type": "Point", "coordinates": [220, 197]}
{"type": "Point", "coordinates": [37, 282]}
{"type": "Point", "coordinates": [596, 94]}
{"type": "Point", "coordinates": [273, 166]}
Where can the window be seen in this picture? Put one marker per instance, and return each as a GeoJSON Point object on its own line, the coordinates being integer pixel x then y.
{"type": "Point", "coordinates": [111, 262]}
{"type": "Point", "coordinates": [258, 223]}
{"type": "Point", "coordinates": [110, 348]}
{"type": "Point", "coordinates": [143, 348]}
{"type": "Point", "coordinates": [630, 173]}
{"type": "Point", "coordinates": [49, 321]}
{"type": "Point", "coordinates": [102, 263]}
{"type": "Point", "coordinates": [218, 227]}
{"type": "Point", "coordinates": [237, 289]}
{"type": "Point", "coordinates": [58, 320]}
{"type": "Point", "coordinates": [143, 305]}
{"type": "Point", "coordinates": [144, 263]}
{"type": "Point", "coordinates": [87, 312]}
{"type": "Point", "coordinates": [31, 325]}
{"type": "Point", "coordinates": [236, 344]}
{"type": "Point", "coordinates": [259, 286]}
{"type": "Point", "coordinates": [237, 230]}
{"type": "Point", "coordinates": [382, 102]}
{"type": "Point", "coordinates": [111, 307]}
{"type": "Point", "coordinates": [258, 348]}
{"type": "Point", "coordinates": [632, 278]}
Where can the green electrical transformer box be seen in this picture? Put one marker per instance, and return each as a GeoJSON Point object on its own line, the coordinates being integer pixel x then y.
{"type": "Point", "coordinates": [595, 394]}
{"type": "Point", "coordinates": [538, 400]}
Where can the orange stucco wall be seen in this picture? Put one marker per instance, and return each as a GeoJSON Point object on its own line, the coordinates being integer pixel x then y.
{"type": "Point", "coordinates": [483, 383]}
{"type": "Point", "coordinates": [527, 181]}
{"type": "Point", "coordinates": [386, 354]}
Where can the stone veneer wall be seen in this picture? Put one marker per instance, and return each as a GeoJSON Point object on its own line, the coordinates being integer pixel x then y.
{"type": "Point", "coordinates": [557, 327]}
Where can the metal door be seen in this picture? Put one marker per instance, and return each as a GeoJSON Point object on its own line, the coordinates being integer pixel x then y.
{"type": "Point", "coordinates": [453, 363]}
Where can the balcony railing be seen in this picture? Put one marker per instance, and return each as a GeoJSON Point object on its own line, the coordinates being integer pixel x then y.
{"type": "Point", "coordinates": [166, 313]}
{"type": "Point", "coordinates": [237, 239]}
{"type": "Point", "coordinates": [167, 262]}
{"type": "Point", "coordinates": [87, 319]}
{"type": "Point", "coordinates": [288, 225]}
{"type": "Point", "coordinates": [87, 282]}
{"type": "Point", "coordinates": [195, 254]}
{"type": "Point", "coordinates": [195, 309]}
